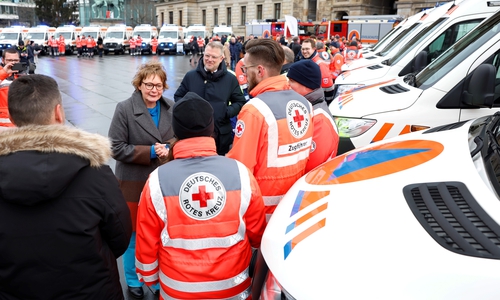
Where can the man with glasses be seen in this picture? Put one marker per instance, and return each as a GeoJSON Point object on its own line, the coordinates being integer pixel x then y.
{"type": "Point", "coordinates": [10, 57]}
{"type": "Point", "coordinates": [212, 81]}
{"type": "Point", "coordinates": [273, 135]}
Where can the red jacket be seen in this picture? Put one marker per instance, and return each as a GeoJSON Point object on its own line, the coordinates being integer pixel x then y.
{"type": "Point", "coordinates": [199, 215]}
{"type": "Point", "coordinates": [325, 137]}
{"type": "Point", "coordinates": [326, 76]}
{"type": "Point", "coordinates": [4, 108]}
{"type": "Point", "coordinates": [273, 137]}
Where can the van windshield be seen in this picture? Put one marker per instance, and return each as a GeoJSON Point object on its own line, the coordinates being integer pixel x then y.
{"type": "Point", "coordinates": [114, 35]}
{"type": "Point", "coordinates": [168, 34]}
{"type": "Point", "coordinates": [398, 39]}
{"type": "Point", "coordinates": [91, 33]}
{"type": "Point", "coordinates": [36, 36]}
{"type": "Point", "coordinates": [459, 52]}
{"type": "Point", "coordinates": [196, 33]}
{"type": "Point", "coordinates": [393, 32]}
{"type": "Point", "coordinates": [415, 41]}
{"type": "Point", "coordinates": [9, 36]}
{"type": "Point", "coordinates": [66, 35]}
{"type": "Point", "coordinates": [143, 34]}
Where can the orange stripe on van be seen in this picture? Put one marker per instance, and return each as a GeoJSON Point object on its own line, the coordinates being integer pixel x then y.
{"type": "Point", "coordinates": [382, 132]}
{"type": "Point", "coordinates": [405, 130]}
{"type": "Point", "coordinates": [452, 9]}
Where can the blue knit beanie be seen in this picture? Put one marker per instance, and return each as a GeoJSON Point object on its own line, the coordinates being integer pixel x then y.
{"type": "Point", "coordinates": [306, 72]}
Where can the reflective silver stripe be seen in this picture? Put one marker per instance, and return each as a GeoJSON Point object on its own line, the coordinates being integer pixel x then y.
{"type": "Point", "coordinates": [146, 267]}
{"type": "Point", "coordinates": [149, 278]}
{"type": "Point", "coordinates": [241, 296]}
{"type": "Point", "coordinates": [246, 191]}
{"type": "Point", "coordinates": [5, 120]}
{"type": "Point", "coordinates": [207, 243]}
{"type": "Point", "coordinates": [205, 286]}
{"type": "Point", "coordinates": [272, 200]}
{"type": "Point", "coordinates": [272, 138]}
{"type": "Point", "coordinates": [158, 203]}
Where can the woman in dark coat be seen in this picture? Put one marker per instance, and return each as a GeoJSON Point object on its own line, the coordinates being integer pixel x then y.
{"type": "Point", "coordinates": [140, 132]}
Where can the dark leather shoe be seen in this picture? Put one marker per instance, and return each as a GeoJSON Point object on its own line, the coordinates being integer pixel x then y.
{"type": "Point", "coordinates": [136, 292]}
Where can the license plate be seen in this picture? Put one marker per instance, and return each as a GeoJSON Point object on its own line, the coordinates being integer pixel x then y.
{"type": "Point", "coordinates": [111, 49]}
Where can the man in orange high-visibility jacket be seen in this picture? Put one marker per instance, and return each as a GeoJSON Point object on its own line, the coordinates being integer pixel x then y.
{"type": "Point", "coordinates": [78, 42]}
{"type": "Point", "coordinates": [138, 45]}
{"type": "Point", "coordinates": [84, 45]}
{"type": "Point", "coordinates": [131, 45]}
{"type": "Point", "coordinates": [274, 131]}
{"type": "Point", "coordinates": [10, 56]}
{"type": "Point", "coordinates": [61, 45]}
{"type": "Point", "coordinates": [199, 215]}
{"type": "Point", "coordinates": [305, 78]}
{"type": "Point", "coordinates": [154, 44]}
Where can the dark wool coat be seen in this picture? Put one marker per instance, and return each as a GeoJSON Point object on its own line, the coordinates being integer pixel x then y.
{"type": "Point", "coordinates": [222, 90]}
{"type": "Point", "coordinates": [63, 218]}
{"type": "Point", "coordinates": [132, 132]}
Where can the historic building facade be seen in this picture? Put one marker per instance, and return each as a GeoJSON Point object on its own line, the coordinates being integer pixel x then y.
{"type": "Point", "coordinates": [239, 12]}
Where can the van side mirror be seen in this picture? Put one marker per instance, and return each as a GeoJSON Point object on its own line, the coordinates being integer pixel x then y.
{"type": "Point", "coordinates": [480, 90]}
{"type": "Point", "coordinates": [420, 62]}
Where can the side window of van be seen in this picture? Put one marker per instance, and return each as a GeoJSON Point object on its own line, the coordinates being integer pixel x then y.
{"type": "Point", "coordinates": [495, 61]}
{"type": "Point", "coordinates": [449, 37]}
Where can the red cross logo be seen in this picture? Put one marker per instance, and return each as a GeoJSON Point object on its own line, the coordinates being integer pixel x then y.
{"type": "Point", "coordinates": [239, 128]}
{"type": "Point", "coordinates": [298, 118]}
{"type": "Point", "coordinates": [203, 196]}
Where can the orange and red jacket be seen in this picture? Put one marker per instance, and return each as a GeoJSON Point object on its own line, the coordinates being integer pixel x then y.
{"type": "Point", "coordinates": [61, 41]}
{"type": "Point", "coordinates": [89, 43]}
{"type": "Point", "coordinates": [326, 77]}
{"type": "Point", "coordinates": [336, 65]}
{"type": "Point", "coordinates": [53, 43]}
{"type": "Point", "coordinates": [273, 137]}
{"type": "Point", "coordinates": [138, 42]}
{"type": "Point", "coordinates": [154, 42]}
{"type": "Point", "coordinates": [198, 217]}
{"type": "Point", "coordinates": [92, 43]}
{"type": "Point", "coordinates": [201, 42]}
{"type": "Point", "coordinates": [132, 43]}
{"type": "Point", "coordinates": [78, 43]}
{"type": "Point", "coordinates": [4, 108]}
{"type": "Point", "coordinates": [352, 53]}
{"type": "Point", "coordinates": [325, 137]}
{"type": "Point", "coordinates": [242, 79]}
{"type": "Point", "coordinates": [84, 42]}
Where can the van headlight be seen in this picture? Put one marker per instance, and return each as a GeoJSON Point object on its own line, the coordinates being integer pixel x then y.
{"type": "Point", "coordinates": [344, 88]}
{"type": "Point", "coordinates": [352, 127]}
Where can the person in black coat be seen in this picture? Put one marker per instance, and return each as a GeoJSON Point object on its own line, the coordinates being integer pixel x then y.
{"type": "Point", "coordinates": [211, 81]}
{"type": "Point", "coordinates": [63, 218]}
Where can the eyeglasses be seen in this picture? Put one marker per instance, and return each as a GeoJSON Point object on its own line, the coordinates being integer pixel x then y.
{"type": "Point", "coordinates": [207, 56]}
{"type": "Point", "coordinates": [12, 60]}
{"type": "Point", "coordinates": [149, 86]}
{"type": "Point", "coordinates": [244, 68]}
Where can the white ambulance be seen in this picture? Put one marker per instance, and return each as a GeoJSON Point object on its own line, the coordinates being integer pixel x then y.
{"type": "Point", "coordinates": [395, 44]}
{"type": "Point", "coordinates": [168, 37]}
{"type": "Point", "coordinates": [439, 94]}
{"type": "Point", "coordinates": [416, 217]}
{"type": "Point", "coordinates": [146, 31]}
{"type": "Point", "coordinates": [117, 39]}
{"type": "Point", "coordinates": [10, 36]}
{"type": "Point", "coordinates": [221, 30]}
{"type": "Point", "coordinates": [69, 32]}
{"type": "Point", "coordinates": [40, 35]}
{"type": "Point", "coordinates": [425, 47]}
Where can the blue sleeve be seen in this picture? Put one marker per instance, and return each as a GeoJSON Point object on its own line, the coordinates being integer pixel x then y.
{"type": "Point", "coordinates": [153, 152]}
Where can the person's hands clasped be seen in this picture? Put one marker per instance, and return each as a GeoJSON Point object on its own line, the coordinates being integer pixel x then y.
{"type": "Point", "coordinates": [161, 150]}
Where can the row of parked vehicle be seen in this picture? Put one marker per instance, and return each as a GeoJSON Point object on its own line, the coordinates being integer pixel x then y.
{"type": "Point", "coordinates": [413, 212]}
{"type": "Point", "coordinates": [115, 38]}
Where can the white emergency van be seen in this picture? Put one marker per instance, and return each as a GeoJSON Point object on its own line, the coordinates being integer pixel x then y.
{"type": "Point", "coordinates": [196, 30]}
{"type": "Point", "coordinates": [10, 36]}
{"type": "Point", "coordinates": [168, 37]}
{"type": "Point", "coordinates": [414, 217]}
{"type": "Point", "coordinates": [69, 32]}
{"type": "Point", "coordinates": [394, 45]}
{"type": "Point", "coordinates": [40, 35]}
{"type": "Point", "coordinates": [438, 94]}
{"type": "Point", "coordinates": [146, 31]}
{"type": "Point", "coordinates": [425, 47]}
{"type": "Point", "coordinates": [221, 30]}
{"type": "Point", "coordinates": [117, 39]}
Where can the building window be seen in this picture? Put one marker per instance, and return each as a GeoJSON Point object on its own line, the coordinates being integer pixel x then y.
{"type": "Point", "coordinates": [228, 16]}
{"type": "Point", "coordinates": [216, 16]}
{"type": "Point", "coordinates": [243, 15]}
{"type": "Point", "coordinates": [277, 10]}
{"type": "Point", "coordinates": [204, 17]}
{"type": "Point", "coordinates": [170, 17]}
{"type": "Point", "coordinates": [180, 17]}
{"type": "Point", "coordinates": [162, 18]}
{"type": "Point", "coordinates": [259, 12]}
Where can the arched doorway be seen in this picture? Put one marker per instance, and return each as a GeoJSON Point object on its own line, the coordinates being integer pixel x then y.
{"type": "Point", "coordinates": [339, 15]}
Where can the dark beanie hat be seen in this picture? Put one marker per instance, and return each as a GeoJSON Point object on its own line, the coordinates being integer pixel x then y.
{"type": "Point", "coordinates": [193, 116]}
{"type": "Point", "coordinates": [306, 72]}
